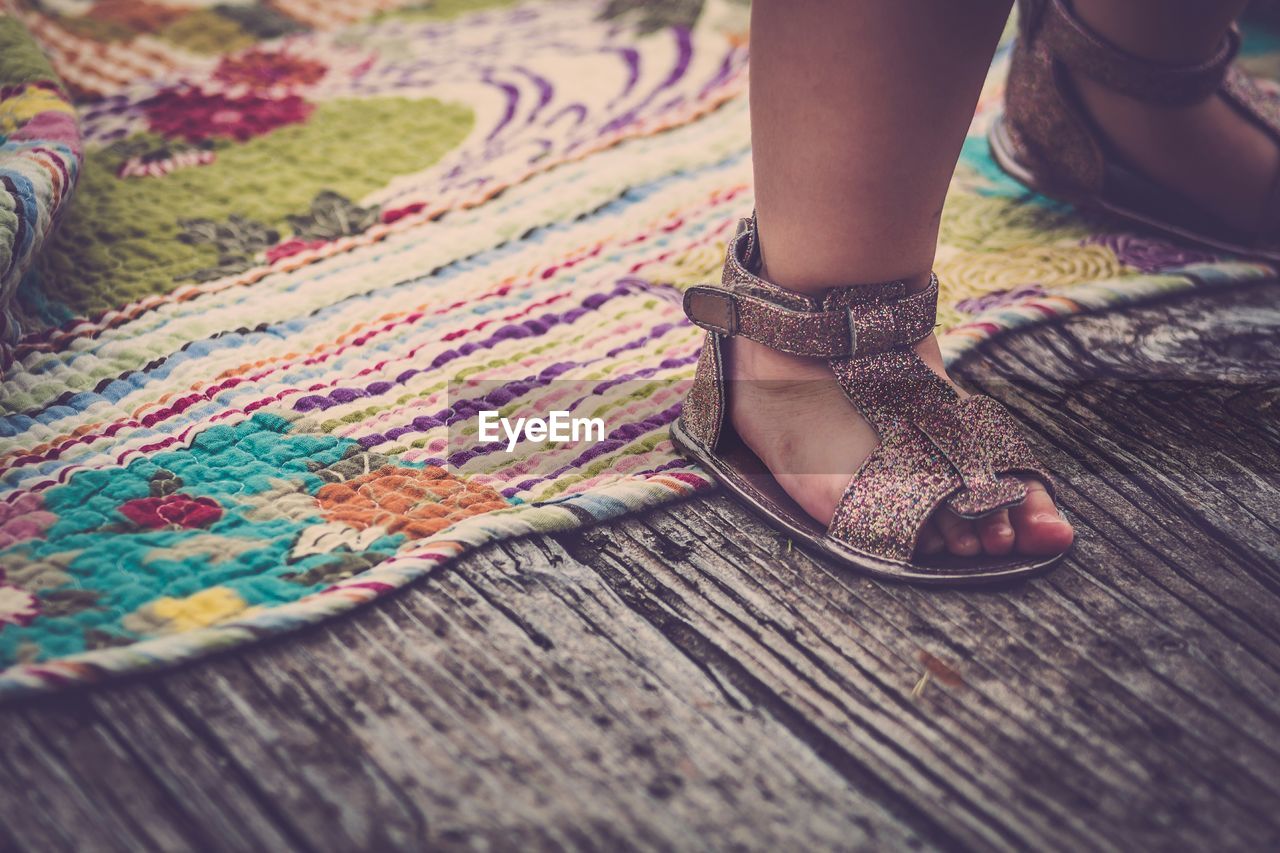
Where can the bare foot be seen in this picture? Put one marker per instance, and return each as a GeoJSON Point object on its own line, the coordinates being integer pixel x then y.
{"type": "Point", "coordinates": [792, 414]}
{"type": "Point", "coordinates": [1209, 152]}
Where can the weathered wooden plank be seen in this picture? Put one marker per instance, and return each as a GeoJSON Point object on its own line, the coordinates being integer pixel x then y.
{"type": "Point", "coordinates": [686, 679]}
{"type": "Point", "coordinates": [47, 803]}
{"type": "Point", "coordinates": [129, 758]}
{"type": "Point", "coordinates": [1045, 754]}
{"type": "Point", "coordinates": [438, 717]}
{"type": "Point", "coordinates": [862, 703]}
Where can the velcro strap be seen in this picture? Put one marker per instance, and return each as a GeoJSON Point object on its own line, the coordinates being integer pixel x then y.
{"type": "Point", "coordinates": [819, 334]}
{"type": "Point", "coordinates": [879, 326]}
{"type": "Point", "coordinates": [1072, 43]}
{"type": "Point", "coordinates": [846, 326]}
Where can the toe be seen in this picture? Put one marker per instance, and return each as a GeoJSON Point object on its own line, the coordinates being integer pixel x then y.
{"type": "Point", "coordinates": [1039, 529]}
{"type": "Point", "coordinates": [996, 533]}
{"type": "Point", "coordinates": [959, 534]}
{"type": "Point", "coordinates": [931, 542]}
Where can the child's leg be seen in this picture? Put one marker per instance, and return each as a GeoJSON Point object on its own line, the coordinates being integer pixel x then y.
{"type": "Point", "coordinates": [858, 114]}
{"type": "Point", "coordinates": [859, 111]}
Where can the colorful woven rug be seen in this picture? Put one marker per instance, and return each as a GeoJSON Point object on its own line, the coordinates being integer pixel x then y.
{"type": "Point", "coordinates": [303, 228]}
{"type": "Point", "coordinates": [40, 155]}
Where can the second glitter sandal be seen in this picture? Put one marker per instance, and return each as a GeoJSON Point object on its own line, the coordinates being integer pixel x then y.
{"type": "Point", "coordinates": [935, 448]}
{"type": "Point", "coordinates": [1046, 141]}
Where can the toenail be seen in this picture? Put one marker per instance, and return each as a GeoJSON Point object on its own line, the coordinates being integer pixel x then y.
{"type": "Point", "coordinates": [968, 540]}
{"type": "Point", "coordinates": [1048, 518]}
{"type": "Point", "coordinates": [1004, 530]}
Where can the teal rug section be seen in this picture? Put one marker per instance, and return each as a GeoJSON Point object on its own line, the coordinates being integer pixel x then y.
{"type": "Point", "coordinates": [218, 515]}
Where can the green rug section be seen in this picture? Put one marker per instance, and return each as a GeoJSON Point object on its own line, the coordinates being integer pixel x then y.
{"type": "Point", "coordinates": [127, 239]}
{"type": "Point", "coordinates": [440, 10]}
{"type": "Point", "coordinates": [20, 58]}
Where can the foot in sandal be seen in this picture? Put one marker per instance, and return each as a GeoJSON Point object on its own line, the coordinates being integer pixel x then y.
{"type": "Point", "coordinates": [834, 419]}
{"type": "Point", "coordinates": [776, 399]}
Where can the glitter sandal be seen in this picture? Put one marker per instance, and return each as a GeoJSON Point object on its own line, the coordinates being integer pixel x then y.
{"type": "Point", "coordinates": [935, 446]}
{"type": "Point", "coordinates": [1045, 140]}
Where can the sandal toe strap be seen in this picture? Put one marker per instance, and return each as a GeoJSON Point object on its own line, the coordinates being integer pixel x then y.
{"type": "Point", "coordinates": [891, 498]}
{"type": "Point", "coordinates": [975, 434]}
{"type": "Point", "coordinates": [964, 453]}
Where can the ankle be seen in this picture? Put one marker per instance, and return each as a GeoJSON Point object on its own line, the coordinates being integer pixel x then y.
{"type": "Point", "coordinates": [805, 265]}
{"type": "Point", "coordinates": [770, 369]}
{"type": "Point", "coordinates": [1127, 123]}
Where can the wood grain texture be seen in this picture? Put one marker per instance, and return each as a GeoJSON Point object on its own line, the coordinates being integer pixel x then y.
{"type": "Point", "coordinates": [687, 679]}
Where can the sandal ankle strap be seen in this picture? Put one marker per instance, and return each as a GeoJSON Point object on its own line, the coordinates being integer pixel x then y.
{"type": "Point", "coordinates": [850, 322]}
{"type": "Point", "coordinates": [1073, 44]}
